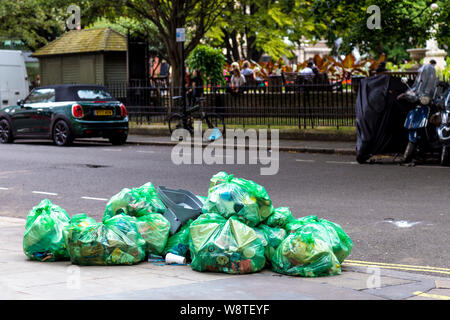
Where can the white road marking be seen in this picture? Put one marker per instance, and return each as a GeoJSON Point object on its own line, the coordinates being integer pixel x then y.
{"type": "Point", "coordinates": [45, 193]}
{"type": "Point", "coordinates": [341, 162]}
{"type": "Point", "coordinates": [4, 189]}
{"type": "Point", "coordinates": [302, 160]}
{"type": "Point", "coordinates": [142, 151]}
{"type": "Point", "coordinates": [112, 150]}
{"type": "Point", "coordinates": [95, 199]}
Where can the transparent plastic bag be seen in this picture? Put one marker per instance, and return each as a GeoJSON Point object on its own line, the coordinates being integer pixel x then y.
{"type": "Point", "coordinates": [228, 246]}
{"type": "Point", "coordinates": [271, 239]}
{"type": "Point", "coordinates": [178, 243]}
{"type": "Point", "coordinates": [242, 198]}
{"type": "Point", "coordinates": [280, 218]}
{"type": "Point", "coordinates": [43, 239]}
{"type": "Point", "coordinates": [154, 229]}
{"type": "Point", "coordinates": [135, 202]}
{"type": "Point", "coordinates": [313, 248]}
{"type": "Point", "coordinates": [114, 242]}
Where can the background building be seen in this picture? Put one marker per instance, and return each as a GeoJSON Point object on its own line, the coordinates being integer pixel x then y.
{"type": "Point", "coordinates": [90, 56]}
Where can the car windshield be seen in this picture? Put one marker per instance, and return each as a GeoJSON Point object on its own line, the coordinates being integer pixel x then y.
{"type": "Point", "coordinates": [41, 96]}
{"type": "Point", "coordinates": [94, 94]}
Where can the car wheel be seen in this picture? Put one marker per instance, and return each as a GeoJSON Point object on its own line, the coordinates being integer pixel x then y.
{"type": "Point", "coordinates": [445, 156]}
{"type": "Point", "coordinates": [118, 140]}
{"type": "Point", "coordinates": [5, 132]}
{"type": "Point", "coordinates": [62, 135]}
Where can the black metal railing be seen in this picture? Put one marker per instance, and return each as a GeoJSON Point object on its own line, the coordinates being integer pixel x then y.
{"type": "Point", "coordinates": [299, 104]}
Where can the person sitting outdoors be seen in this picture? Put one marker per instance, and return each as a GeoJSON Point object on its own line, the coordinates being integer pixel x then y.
{"type": "Point", "coordinates": [308, 72]}
{"type": "Point", "coordinates": [237, 81]}
{"type": "Point", "coordinates": [246, 71]}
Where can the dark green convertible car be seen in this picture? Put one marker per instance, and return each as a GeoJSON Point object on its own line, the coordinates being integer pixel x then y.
{"type": "Point", "coordinates": [63, 113]}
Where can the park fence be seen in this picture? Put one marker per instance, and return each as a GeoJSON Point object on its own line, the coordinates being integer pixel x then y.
{"type": "Point", "coordinates": [282, 103]}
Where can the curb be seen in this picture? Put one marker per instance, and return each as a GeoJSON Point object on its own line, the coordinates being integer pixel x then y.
{"type": "Point", "coordinates": [339, 151]}
{"type": "Point", "coordinates": [284, 135]}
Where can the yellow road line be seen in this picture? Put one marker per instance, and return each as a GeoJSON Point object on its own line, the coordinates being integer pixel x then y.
{"type": "Point", "coordinates": [394, 267]}
{"type": "Point", "coordinates": [428, 295]}
{"type": "Point", "coordinates": [397, 265]}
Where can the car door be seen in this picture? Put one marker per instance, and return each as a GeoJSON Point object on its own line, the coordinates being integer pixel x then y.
{"type": "Point", "coordinates": [34, 115]}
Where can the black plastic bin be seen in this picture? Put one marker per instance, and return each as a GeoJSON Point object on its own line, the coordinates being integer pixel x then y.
{"type": "Point", "coordinates": [181, 205]}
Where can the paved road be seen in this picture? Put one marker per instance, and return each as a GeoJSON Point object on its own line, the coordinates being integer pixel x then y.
{"type": "Point", "coordinates": [394, 214]}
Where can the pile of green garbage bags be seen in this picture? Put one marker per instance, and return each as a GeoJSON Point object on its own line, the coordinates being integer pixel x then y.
{"type": "Point", "coordinates": [239, 231]}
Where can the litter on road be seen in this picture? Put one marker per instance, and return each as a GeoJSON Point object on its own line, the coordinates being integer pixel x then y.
{"type": "Point", "coordinates": [234, 229]}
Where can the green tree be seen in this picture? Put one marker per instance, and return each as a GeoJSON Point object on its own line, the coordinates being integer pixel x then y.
{"type": "Point", "coordinates": [249, 28]}
{"type": "Point", "coordinates": [209, 61]}
{"type": "Point", "coordinates": [404, 24]}
{"type": "Point", "coordinates": [197, 16]}
{"type": "Point", "coordinates": [30, 21]}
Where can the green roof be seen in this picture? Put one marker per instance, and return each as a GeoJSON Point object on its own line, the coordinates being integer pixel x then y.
{"type": "Point", "coordinates": [83, 41]}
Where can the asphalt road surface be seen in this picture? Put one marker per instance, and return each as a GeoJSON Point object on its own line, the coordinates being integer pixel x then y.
{"type": "Point", "coordinates": [394, 214]}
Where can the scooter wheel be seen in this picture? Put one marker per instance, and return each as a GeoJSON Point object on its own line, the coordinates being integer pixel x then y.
{"type": "Point", "coordinates": [445, 156]}
{"type": "Point", "coordinates": [409, 152]}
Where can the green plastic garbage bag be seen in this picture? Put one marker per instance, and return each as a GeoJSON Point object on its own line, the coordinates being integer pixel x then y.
{"type": "Point", "coordinates": [313, 249]}
{"type": "Point", "coordinates": [135, 202]}
{"type": "Point", "coordinates": [227, 246]}
{"type": "Point", "coordinates": [179, 242]}
{"type": "Point", "coordinates": [340, 242]}
{"type": "Point", "coordinates": [114, 242]}
{"type": "Point", "coordinates": [280, 218]}
{"type": "Point", "coordinates": [245, 199]}
{"type": "Point", "coordinates": [43, 239]}
{"type": "Point", "coordinates": [154, 228]}
{"type": "Point", "coordinates": [202, 198]}
{"type": "Point", "coordinates": [82, 219]}
{"type": "Point", "coordinates": [300, 222]}
{"type": "Point", "coordinates": [271, 239]}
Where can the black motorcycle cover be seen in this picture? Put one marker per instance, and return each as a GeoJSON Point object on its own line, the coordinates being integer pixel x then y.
{"type": "Point", "coordinates": [380, 117]}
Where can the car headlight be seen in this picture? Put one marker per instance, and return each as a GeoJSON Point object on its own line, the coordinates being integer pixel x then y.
{"type": "Point", "coordinates": [425, 100]}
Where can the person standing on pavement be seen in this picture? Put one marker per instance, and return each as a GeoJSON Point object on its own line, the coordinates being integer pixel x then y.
{"type": "Point", "coordinates": [196, 87]}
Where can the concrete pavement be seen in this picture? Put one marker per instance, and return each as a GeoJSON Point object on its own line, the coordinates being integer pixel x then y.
{"type": "Point", "coordinates": [22, 279]}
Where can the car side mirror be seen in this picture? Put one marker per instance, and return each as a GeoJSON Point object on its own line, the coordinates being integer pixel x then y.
{"type": "Point", "coordinates": [20, 103]}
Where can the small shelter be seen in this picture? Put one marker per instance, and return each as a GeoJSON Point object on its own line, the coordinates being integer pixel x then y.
{"type": "Point", "coordinates": [89, 56]}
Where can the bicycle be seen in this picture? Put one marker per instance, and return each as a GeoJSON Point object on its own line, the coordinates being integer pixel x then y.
{"type": "Point", "coordinates": [186, 120]}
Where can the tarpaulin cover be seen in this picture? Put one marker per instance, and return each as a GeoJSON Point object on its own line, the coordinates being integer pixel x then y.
{"type": "Point", "coordinates": [221, 245]}
{"type": "Point", "coordinates": [380, 117]}
{"type": "Point", "coordinates": [43, 239]}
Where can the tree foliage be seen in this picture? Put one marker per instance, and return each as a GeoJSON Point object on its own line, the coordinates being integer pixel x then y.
{"type": "Point", "coordinates": [209, 61]}
{"type": "Point", "coordinates": [249, 28]}
{"type": "Point", "coordinates": [404, 24]}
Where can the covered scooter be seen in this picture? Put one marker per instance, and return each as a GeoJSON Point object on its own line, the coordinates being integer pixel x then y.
{"type": "Point", "coordinates": [380, 117]}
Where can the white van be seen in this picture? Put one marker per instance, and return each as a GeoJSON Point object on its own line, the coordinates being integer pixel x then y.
{"type": "Point", "coordinates": [14, 84]}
